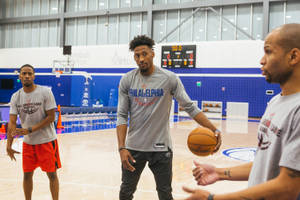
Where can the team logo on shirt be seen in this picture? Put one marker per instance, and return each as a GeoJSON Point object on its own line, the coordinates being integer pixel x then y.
{"type": "Point", "coordinates": [29, 108]}
{"type": "Point", "coordinates": [146, 97]}
{"type": "Point", "coordinates": [265, 129]}
{"type": "Point", "coordinates": [143, 92]}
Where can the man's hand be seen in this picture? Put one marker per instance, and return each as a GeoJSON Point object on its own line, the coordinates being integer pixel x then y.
{"type": "Point", "coordinates": [11, 153]}
{"type": "Point", "coordinates": [20, 131]}
{"type": "Point", "coordinates": [196, 194]}
{"type": "Point", "coordinates": [205, 174]}
{"type": "Point", "coordinates": [219, 140]}
{"type": "Point", "coordinates": [126, 158]}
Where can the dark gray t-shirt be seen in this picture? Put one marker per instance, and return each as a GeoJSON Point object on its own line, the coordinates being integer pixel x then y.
{"type": "Point", "coordinates": [31, 108]}
{"type": "Point", "coordinates": [279, 139]}
{"type": "Point", "coordinates": [148, 100]}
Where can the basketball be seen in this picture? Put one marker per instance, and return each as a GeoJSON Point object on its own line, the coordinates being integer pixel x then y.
{"type": "Point", "coordinates": [202, 141]}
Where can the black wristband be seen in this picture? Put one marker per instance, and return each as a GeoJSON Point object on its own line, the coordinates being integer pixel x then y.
{"type": "Point", "coordinates": [30, 129]}
{"type": "Point", "coordinates": [210, 197]}
{"type": "Point", "coordinates": [121, 148]}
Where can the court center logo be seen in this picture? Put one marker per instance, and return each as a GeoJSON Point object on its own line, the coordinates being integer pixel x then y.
{"type": "Point", "coordinates": [246, 154]}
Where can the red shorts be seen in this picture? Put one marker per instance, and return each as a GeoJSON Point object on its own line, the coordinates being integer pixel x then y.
{"type": "Point", "coordinates": [45, 156]}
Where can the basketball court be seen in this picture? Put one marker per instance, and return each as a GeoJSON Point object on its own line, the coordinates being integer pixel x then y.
{"type": "Point", "coordinates": [91, 166]}
{"type": "Point", "coordinates": [79, 49]}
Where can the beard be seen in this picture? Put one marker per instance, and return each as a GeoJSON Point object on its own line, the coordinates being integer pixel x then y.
{"type": "Point", "coordinates": [281, 78]}
{"type": "Point", "coordinates": [27, 84]}
{"type": "Point", "coordinates": [144, 70]}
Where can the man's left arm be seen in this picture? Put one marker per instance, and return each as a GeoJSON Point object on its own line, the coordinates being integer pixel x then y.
{"type": "Point", "coordinates": [284, 187]}
{"type": "Point", "coordinates": [50, 117]}
{"type": "Point", "coordinates": [186, 104]}
{"type": "Point", "coordinates": [201, 119]}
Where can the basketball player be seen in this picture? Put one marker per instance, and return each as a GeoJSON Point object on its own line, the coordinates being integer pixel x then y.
{"type": "Point", "coordinates": [146, 94]}
{"type": "Point", "coordinates": [35, 106]}
{"type": "Point", "coordinates": [275, 172]}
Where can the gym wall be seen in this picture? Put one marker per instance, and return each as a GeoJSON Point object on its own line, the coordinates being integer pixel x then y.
{"type": "Point", "coordinates": [227, 70]}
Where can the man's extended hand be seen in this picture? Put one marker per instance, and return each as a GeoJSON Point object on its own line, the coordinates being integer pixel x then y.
{"type": "Point", "coordinates": [205, 174]}
{"type": "Point", "coordinates": [11, 153]}
{"type": "Point", "coordinates": [196, 194]}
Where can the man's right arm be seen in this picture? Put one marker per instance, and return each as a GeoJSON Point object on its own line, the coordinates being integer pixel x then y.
{"type": "Point", "coordinates": [121, 133]}
{"type": "Point", "coordinates": [122, 114]}
{"type": "Point", "coordinates": [206, 174]}
{"type": "Point", "coordinates": [122, 120]}
{"type": "Point", "coordinates": [237, 173]}
{"type": "Point", "coordinates": [11, 129]}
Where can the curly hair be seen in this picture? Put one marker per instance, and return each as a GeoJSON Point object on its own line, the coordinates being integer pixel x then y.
{"type": "Point", "coordinates": [141, 40]}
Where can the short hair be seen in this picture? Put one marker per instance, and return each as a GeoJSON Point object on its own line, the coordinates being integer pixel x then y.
{"type": "Point", "coordinates": [289, 36]}
{"type": "Point", "coordinates": [141, 40]}
{"type": "Point", "coordinates": [27, 65]}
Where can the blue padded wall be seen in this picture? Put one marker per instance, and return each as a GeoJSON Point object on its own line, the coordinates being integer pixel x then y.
{"type": "Point", "coordinates": [237, 89]}
{"type": "Point", "coordinates": [77, 88]}
{"type": "Point", "coordinates": [60, 88]}
{"type": "Point", "coordinates": [100, 87]}
{"type": "Point", "coordinates": [68, 90]}
{"type": "Point", "coordinates": [5, 94]}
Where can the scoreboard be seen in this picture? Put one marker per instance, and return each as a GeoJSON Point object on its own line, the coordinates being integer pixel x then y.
{"type": "Point", "coordinates": [178, 56]}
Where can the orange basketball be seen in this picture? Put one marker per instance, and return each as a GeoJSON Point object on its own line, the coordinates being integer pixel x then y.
{"type": "Point", "coordinates": [202, 141]}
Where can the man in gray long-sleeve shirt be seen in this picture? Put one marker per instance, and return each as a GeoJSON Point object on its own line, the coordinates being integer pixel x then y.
{"type": "Point", "coordinates": [146, 94]}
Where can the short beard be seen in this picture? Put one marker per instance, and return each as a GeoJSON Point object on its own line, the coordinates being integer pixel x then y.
{"type": "Point", "coordinates": [144, 70]}
{"type": "Point", "coordinates": [281, 79]}
{"type": "Point", "coordinates": [27, 84]}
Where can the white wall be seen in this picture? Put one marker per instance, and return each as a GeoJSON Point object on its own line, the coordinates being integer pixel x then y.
{"type": "Point", "coordinates": [226, 54]}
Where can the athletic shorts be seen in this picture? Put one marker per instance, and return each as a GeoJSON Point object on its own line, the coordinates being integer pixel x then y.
{"type": "Point", "coordinates": [45, 156]}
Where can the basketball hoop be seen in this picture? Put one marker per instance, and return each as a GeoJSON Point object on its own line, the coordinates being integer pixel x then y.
{"type": "Point", "coordinates": [58, 73]}
{"type": "Point", "coordinates": [62, 66]}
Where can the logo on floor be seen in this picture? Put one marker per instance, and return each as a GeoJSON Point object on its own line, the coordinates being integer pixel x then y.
{"type": "Point", "coordinates": [243, 154]}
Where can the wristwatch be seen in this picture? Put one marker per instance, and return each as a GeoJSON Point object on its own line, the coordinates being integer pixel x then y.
{"type": "Point", "coordinates": [30, 129]}
{"type": "Point", "coordinates": [217, 132]}
{"type": "Point", "coordinates": [210, 197]}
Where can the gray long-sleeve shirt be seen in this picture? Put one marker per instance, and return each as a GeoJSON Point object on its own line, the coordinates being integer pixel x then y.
{"type": "Point", "coordinates": [147, 100]}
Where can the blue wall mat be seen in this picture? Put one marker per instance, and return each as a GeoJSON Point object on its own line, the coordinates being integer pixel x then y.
{"type": "Point", "coordinates": [68, 90]}
{"type": "Point", "coordinates": [5, 95]}
{"type": "Point", "coordinates": [100, 88]}
{"type": "Point", "coordinates": [60, 88]}
{"type": "Point", "coordinates": [77, 88]}
{"type": "Point", "coordinates": [237, 89]}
